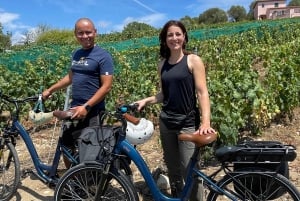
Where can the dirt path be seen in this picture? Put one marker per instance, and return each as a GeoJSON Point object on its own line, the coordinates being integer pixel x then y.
{"type": "Point", "coordinates": [32, 189]}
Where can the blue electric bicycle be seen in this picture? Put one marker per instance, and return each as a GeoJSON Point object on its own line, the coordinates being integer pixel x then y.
{"type": "Point", "coordinates": [247, 173]}
{"type": "Point", "coordinates": [9, 161]}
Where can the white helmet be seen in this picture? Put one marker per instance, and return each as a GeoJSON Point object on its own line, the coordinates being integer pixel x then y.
{"type": "Point", "coordinates": [140, 133]}
{"type": "Point", "coordinates": [40, 117]}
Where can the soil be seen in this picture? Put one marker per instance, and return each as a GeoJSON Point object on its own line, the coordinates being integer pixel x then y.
{"type": "Point", "coordinates": [32, 189]}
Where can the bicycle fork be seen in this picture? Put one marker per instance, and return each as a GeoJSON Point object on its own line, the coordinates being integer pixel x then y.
{"type": "Point", "coordinates": [104, 181]}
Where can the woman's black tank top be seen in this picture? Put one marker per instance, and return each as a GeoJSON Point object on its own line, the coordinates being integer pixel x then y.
{"type": "Point", "coordinates": [178, 88]}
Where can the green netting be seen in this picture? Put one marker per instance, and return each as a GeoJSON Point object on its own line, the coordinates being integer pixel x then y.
{"type": "Point", "coordinates": [132, 44]}
{"type": "Point", "coordinates": [15, 60]}
{"type": "Point", "coordinates": [202, 34]}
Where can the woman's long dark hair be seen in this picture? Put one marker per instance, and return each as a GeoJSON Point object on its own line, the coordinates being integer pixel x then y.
{"type": "Point", "coordinates": [164, 50]}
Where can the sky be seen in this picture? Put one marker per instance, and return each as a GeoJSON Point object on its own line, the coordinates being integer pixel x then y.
{"type": "Point", "coordinates": [20, 17]}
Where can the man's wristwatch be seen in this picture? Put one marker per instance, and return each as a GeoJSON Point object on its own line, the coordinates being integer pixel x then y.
{"type": "Point", "coordinates": [87, 107]}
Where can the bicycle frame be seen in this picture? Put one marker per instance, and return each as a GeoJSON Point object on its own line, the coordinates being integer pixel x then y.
{"type": "Point", "coordinates": [41, 167]}
{"type": "Point", "coordinates": [127, 149]}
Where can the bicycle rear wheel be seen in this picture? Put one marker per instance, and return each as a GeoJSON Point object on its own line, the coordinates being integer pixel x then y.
{"type": "Point", "coordinates": [258, 186]}
{"type": "Point", "coordinates": [83, 181]}
{"type": "Point", "coordinates": [9, 171]}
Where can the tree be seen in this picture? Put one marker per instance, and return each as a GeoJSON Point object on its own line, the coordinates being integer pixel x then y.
{"type": "Point", "coordinates": [137, 26]}
{"type": "Point", "coordinates": [5, 42]}
{"type": "Point", "coordinates": [237, 13]}
{"type": "Point", "coordinates": [33, 34]}
{"type": "Point", "coordinates": [56, 36]}
{"type": "Point", "coordinates": [294, 3]}
{"type": "Point", "coordinates": [250, 15]}
{"type": "Point", "coordinates": [213, 16]}
{"type": "Point", "coordinates": [137, 30]}
{"type": "Point", "coordinates": [189, 23]}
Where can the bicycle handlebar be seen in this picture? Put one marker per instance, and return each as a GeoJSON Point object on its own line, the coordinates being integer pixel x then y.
{"type": "Point", "coordinates": [127, 107]}
{"type": "Point", "coordinates": [131, 118]}
{"type": "Point", "coordinates": [16, 102]}
{"type": "Point", "coordinates": [122, 115]}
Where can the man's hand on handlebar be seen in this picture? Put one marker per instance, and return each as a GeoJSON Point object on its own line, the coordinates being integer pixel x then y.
{"type": "Point", "coordinates": [46, 94]}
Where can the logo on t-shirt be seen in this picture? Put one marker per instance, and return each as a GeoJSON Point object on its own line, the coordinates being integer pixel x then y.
{"type": "Point", "coordinates": [81, 62]}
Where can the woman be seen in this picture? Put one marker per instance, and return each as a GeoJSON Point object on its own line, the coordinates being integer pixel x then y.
{"type": "Point", "coordinates": [183, 87]}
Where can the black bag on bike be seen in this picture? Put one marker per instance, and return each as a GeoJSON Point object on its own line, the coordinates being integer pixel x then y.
{"type": "Point", "coordinates": [269, 155]}
{"type": "Point", "coordinates": [96, 143]}
{"type": "Point", "coordinates": [259, 156]}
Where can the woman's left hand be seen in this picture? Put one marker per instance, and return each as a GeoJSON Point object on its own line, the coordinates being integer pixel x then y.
{"type": "Point", "coordinates": [203, 130]}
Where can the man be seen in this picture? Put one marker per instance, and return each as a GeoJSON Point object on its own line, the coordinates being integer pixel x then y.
{"type": "Point", "coordinates": [91, 76]}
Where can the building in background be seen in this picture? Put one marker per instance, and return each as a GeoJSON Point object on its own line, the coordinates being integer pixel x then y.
{"type": "Point", "coordinates": [270, 9]}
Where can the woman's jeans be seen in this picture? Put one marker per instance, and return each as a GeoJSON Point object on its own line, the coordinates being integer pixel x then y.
{"type": "Point", "coordinates": [177, 155]}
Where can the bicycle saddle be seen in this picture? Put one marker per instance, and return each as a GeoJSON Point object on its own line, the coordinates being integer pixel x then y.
{"type": "Point", "coordinates": [63, 115]}
{"type": "Point", "coordinates": [198, 140]}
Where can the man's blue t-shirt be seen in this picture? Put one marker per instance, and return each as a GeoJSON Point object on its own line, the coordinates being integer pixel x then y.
{"type": "Point", "coordinates": [87, 67]}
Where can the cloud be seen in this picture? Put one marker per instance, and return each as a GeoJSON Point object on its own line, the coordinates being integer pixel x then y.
{"type": "Point", "coordinates": [145, 6]}
{"type": "Point", "coordinates": [9, 22]}
{"type": "Point", "coordinates": [17, 37]}
{"type": "Point", "coordinates": [7, 19]}
{"type": "Point", "coordinates": [102, 26]}
{"type": "Point", "coordinates": [154, 20]}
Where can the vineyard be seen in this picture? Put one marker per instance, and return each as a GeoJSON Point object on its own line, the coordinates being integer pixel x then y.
{"type": "Point", "coordinates": [253, 73]}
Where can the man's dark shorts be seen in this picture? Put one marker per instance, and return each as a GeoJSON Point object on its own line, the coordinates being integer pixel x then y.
{"type": "Point", "coordinates": [72, 130]}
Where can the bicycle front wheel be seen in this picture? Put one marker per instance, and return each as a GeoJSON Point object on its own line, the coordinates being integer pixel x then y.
{"type": "Point", "coordinates": [9, 171]}
{"type": "Point", "coordinates": [84, 180]}
{"type": "Point", "coordinates": [258, 186]}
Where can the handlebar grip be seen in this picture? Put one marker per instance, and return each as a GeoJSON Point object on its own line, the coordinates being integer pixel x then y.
{"type": "Point", "coordinates": [131, 118]}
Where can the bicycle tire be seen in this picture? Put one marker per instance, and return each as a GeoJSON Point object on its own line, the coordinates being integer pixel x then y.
{"type": "Point", "coordinates": [9, 171]}
{"type": "Point", "coordinates": [258, 186]}
{"type": "Point", "coordinates": [82, 181]}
